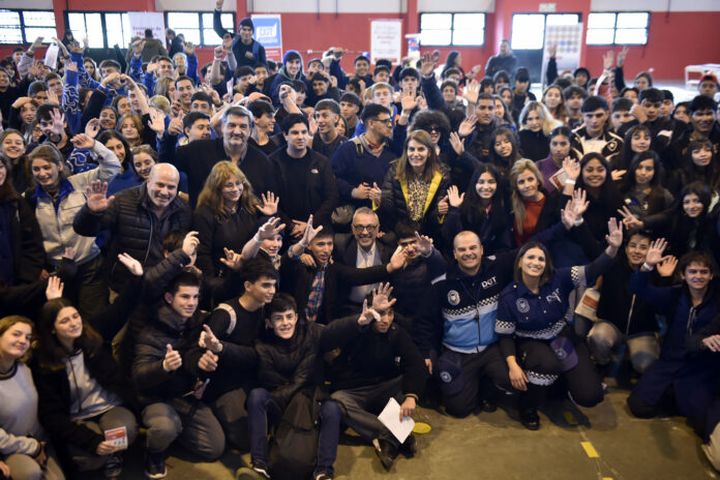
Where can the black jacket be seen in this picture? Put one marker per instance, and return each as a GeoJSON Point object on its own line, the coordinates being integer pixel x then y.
{"type": "Point", "coordinates": [368, 357]}
{"type": "Point", "coordinates": [26, 241]}
{"type": "Point", "coordinates": [321, 193]}
{"type": "Point", "coordinates": [152, 382]}
{"type": "Point", "coordinates": [54, 398]}
{"type": "Point", "coordinates": [534, 145]}
{"type": "Point", "coordinates": [288, 366]}
{"type": "Point", "coordinates": [134, 229]}
{"type": "Point", "coordinates": [197, 158]}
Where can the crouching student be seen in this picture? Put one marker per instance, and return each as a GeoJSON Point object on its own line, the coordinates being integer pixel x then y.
{"type": "Point", "coordinates": [532, 321]}
{"type": "Point", "coordinates": [172, 396]}
{"type": "Point", "coordinates": [82, 391]}
{"type": "Point", "coordinates": [23, 447]}
{"type": "Point", "coordinates": [683, 376]}
{"type": "Point", "coordinates": [289, 365]}
{"type": "Point", "coordinates": [625, 319]}
{"type": "Point", "coordinates": [377, 360]}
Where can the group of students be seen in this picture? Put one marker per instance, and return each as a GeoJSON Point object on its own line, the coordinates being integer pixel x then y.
{"type": "Point", "coordinates": [291, 254]}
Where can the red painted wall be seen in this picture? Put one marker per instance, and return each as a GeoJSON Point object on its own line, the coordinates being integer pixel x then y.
{"type": "Point", "coordinates": [675, 39]}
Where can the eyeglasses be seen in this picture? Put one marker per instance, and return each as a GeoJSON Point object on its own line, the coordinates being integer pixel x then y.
{"type": "Point", "coordinates": [386, 121]}
{"type": "Point", "coordinates": [365, 228]}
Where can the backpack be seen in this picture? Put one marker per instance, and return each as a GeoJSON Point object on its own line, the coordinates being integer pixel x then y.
{"type": "Point", "coordinates": [293, 451]}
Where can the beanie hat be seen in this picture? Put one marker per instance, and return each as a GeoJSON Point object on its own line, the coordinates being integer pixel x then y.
{"type": "Point", "coordinates": [291, 55]}
{"type": "Point", "coordinates": [247, 22]}
{"type": "Point", "coordinates": [709, 77]}
{"type": "Point", "coordinates": [384, 62]}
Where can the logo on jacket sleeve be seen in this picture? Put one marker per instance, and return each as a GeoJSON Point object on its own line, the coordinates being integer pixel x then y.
{"type": "Point", "coordinates": [453, 297]}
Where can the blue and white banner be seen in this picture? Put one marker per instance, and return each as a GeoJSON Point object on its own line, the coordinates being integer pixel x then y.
{"type": "Point", "coordinates": [268, 31]}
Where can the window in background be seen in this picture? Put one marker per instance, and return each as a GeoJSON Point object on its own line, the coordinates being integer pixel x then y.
{"type": "Point", "coordinates": [197, 27]}
{"type": "Point", "coordinates": [210, 38]}
{"type": "Point", "coordinates": [24, 26]}
{"type": "Point", "coordinates": [87, 25]}
{"type": "Point", "coordinates": [117, 26]}
{"type": "Point", "coordinates": [452, 29]}
{"type": "Point", "coordinates": [626, 28]}
{"type": "Point", "coordinates": [528, 31]}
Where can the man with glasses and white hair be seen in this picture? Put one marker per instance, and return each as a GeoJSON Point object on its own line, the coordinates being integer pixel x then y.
{"type": "Point", "coordinates": [196, 159]}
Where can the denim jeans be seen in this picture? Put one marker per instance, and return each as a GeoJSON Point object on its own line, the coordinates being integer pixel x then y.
{"type": "Point", "coordinates": [263, 410]}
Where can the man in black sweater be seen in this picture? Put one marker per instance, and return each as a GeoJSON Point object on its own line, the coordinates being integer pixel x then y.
{"type": "Point", "coordinates": [306, 184]}
{"type": "Point", "coordinates": [196, 159]}
{"type": "Point", "coordinates": [377, 361]}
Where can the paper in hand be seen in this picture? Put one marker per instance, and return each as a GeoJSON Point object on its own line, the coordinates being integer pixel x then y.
{"type": "Point", "coordinates": [558, 179]}
{"type": "Point", "coordinates": [390, 417]}
{"type": "Point", "coordinates": [117, 437]}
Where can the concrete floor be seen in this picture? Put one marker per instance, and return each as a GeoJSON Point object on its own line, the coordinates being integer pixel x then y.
{"type": "Point", "coordinates": [494, 446]}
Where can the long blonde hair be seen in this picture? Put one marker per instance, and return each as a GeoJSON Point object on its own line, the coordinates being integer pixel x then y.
{"type": "Point", "coordinates": [211, 194]}
{"type": "Point", "coordinates": [548, 120]}
{"type": "Point", "coordinates": [561, 115]}
{"type": "Point", "coordinates": [518, 205]}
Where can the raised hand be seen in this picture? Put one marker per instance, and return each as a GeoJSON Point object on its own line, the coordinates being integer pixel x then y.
{"type": "Point", "coordinates": [71, 66]}
{"type": "Point", "coordinates": [269, 229]}
{"type": "Point", "coordinates": [398, 261]}
{"type": "Point", "coordinates": [617, 174]}
{"type": "Point", "coordinates": [580, 203]}
{"type": "Point", "coordinates": [219, 52]}
{"type": "Point", "coordinates": [52, 97]}
{"type": "Point", "coordinates": [83, 141]}
{"type": "Point", "coordinates": [424, 244]}
{"type": "Point", "coordinates": [667, 266]}
{"type": "Point", "coordinates": [308, 260]}
{"type": "Point", "coordinates": [232, 260]}
{"type": "Point", "coordinates": [209, 341]}
{"type": "Point", "coordinates": [54, 288]}
{"type": "Point", "coordinates": [443, 206]}
{"type": "Point", "coordinates": [190, 244]}
{"type": "Point", "coordinates": [172, 360]}
{"type": "Point", "coordinates": [552, 51]}
{"type": "Point", "coordinates": [455, 197]}
{"type": "Point", "coordinates": [208, 362]}
{"type": "Point", "coordinates": [157, 121]}
{"type": "Point", "coordinates": [189, 48]}
{"type": "Point", "coordinates": [608, 60]}
{"type": "Point", "coordinates": [58, 122]}
{"type": "Point", "coordinates": [621, 56]}
{"type": "Point", "coordinates": [567, 215]}
{"type": "Point", "coordinates": [133, 265]}
{"type": "Point", "coordinates": [571, 167]}
{"type": "Point", "coordinates": [655, 252]}
{"type": "Point", "coordinates": [426, 65]}
{"type": "Point", "coordinates": [472, 92]}
{"type": "Point", "coordinates": [269, 204]}
{"type": "Point", "coordinates": [629, 219]}
{"type": "Point", "coordinates": [368, 315]}
{"type": "Point", "coordinates": [310, 232]}
{"type": "Point", "coordinates": [467, 126]}
{"type": "Point", "coordinates": [614, 237]}
{"type": "Point", "coordinates": [408, 102]}
{"type": "Point", "coordinates": [456, 143]}
{"type": "Point", "coordinates": [97, 199]}
{"type": "Point", "coordinates": [92, 128]}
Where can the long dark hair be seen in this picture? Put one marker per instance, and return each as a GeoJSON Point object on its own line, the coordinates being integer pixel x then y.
{"type": "Point", "coordinates": [106, 135]}
{"type": "Point", "coordinates": [50, 351]}
{"type": "Point", "coordinates": [504, 164]}
{"type": "Point", "coordinates": [609, 194]}
{"type": "Point", "coordinates": [473, 211]}
{"type": "Point", "coordinates": [709, 175]}
{"type": "Point", "coordinates": [7, 190]}
{"type": "Point", "coordinates": [628, 154]}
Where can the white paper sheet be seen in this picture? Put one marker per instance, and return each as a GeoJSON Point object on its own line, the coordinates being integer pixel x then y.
{"type": "Point", "coordinates": [51, 56]}
{"type": "Point", "coordinates": [390, 417]}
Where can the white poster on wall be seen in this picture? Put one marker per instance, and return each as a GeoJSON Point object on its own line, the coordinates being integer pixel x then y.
{"type": "Point", "coordinates": [140, 21]}
{"type": "Point", "coordinates": [386, 40]}
{"type": "Point", "coordinates": [568, 39]}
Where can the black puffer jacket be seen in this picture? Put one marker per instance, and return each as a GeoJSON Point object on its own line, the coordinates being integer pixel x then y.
{"type": "Point", "coordinates": [288, 366]}
{"type": "Point", "coordinates": [153, 383]}
{"type": "Point", "coordinates": [134, 229]}
{"type": "Point", "coordinates": [25, 239]}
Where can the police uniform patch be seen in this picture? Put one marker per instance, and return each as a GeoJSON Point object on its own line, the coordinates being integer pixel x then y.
{"type": "Point", "coordinates": [522, 305]}
{"type": "Point", "coordinates": [446, 377]}
{"type": "Point", "coordinates": [453, 297]}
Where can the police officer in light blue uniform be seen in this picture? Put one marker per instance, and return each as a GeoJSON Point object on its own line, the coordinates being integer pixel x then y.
{"type": "Point", "coordinates": [532, 321]}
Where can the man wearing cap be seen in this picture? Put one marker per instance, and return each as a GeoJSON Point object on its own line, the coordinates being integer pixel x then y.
{"type": "Point", "coordinates": [708, 85]}
{"type": "Point", "coordinates": [247, 51]}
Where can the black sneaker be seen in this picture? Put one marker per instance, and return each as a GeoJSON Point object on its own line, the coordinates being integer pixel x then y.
{"type": "Point", "coordinates": [113, 466]}
{"type": "Point", "coordinates": [409, 446]}
{"type": "Point", "coordinates": [530, 419]}
{"type": "Point", "coordinates": [155, 465]}
{"type": "Point", "coordinates": [256, 472]}
{"type": "Point", "coordinates": [386, 451]}
{"type": "Point", "coordinates": [488, 406]}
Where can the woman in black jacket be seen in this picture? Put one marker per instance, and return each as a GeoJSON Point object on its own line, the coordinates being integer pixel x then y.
{"type": "Point", "coordinates": [603, 195]}
{"type": "Point", "coordinates": [289, 364]}
{"type": "Point", "coordinates": [12, 150]}
{"type": "Point", "coordinates": [82, 394]}
{"type": "Point", "coordinates": [644, 195]}
{"type": "Point", "coordinates": [227, 216]}
{"type": "Point", "coordinates": [484, 208]}
{"type": "Point", "coordinates": [414, 186]}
